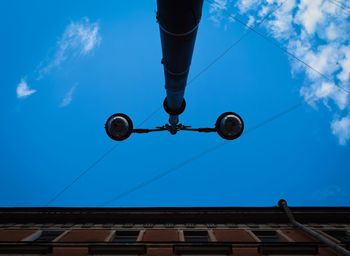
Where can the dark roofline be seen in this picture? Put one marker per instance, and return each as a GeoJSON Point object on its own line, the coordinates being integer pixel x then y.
{"type": "Point", "coordinates": [174, 215]}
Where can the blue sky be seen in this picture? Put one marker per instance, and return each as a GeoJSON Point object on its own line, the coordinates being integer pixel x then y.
{"type": "Point", "coordinates": [66, 67]}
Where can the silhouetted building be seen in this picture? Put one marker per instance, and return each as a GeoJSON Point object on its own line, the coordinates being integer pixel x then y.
{"type": "Point", "coordinates": [216, 231]}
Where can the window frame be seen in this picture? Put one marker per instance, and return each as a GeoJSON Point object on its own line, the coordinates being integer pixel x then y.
{"type": "Point", "coordinates": [332, 237]}
{"type": "Point", "coordinates": [37, 235]}
{"type": "Point", "coordinates": [279, 235]}
{"type": "Point", "coordinates": [197, 231]}
{"type": "Point", "coordinates": [115, 235]}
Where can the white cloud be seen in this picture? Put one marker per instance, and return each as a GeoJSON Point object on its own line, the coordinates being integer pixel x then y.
{"type": "Point", "coordinates": [218, 5]}
{"type": "Point", "coordinates": [245, 5]}
{"type": "Point", "coordinates": [341, 128]}
{"type": "Point", "coordinates": [309, 14]}
{"type": "Point", "coordinates": [324, 59]}
{"type": "Point", "coordinates": [281, 26]}
{"type": "Point", "coordinates": [324, 90]}
{"type": "Point", "coordinates": [316, 32]}
{"type": "Point", "coordinates": [344, 76]}
{"type": "Point", "coordinates": [332, 32]}
{"type": "Point", "coordinates": [23, 90]}
{"type": "Point", "coordinates": [216, 10]}
{"type": "Point", "coordinates": [67, 98]}
{"type": "Point", "coordinates": [78, 39]}
{"type": "Point", "coordinates": [251, 21]}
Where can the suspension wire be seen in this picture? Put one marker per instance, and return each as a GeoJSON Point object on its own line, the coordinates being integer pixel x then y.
{"type": "Point", "coordinates": [103, 156]}
{"type": "Point", "coordinates": [237, 42]}
{"type": "Point", "coordinates": [90, 167]}
{"type": "Point", "coordinates": [81, 174]}
{"type": "Point", "coordinates": [340, 5]}
{"type": "Point", "coordinates": [228, 50]}
{"type": "Point", "coordinates": [211, 149]}
{"type": "Point", "coordinates": [159, 108]}
{"type": "Point", "coordinates": [163, 174]}
{"type": "Point", "coordinates": [283, 49]}
{"type": "Point", "coordinates": [253, 128]}
{"type": "Point", "coordinates": [199, 155]}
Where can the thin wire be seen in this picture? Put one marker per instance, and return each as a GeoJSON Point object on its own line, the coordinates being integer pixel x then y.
{"type": "Point", "coordinates": [200, 155]}
{"type": "Point", "coordinates": [276, 116]}
{"type": "Point", "coordinates": [340, 5]}
{"type": "Point", "coordinates": [282, 49]}
{"type": "Point", "coordinates": [159, 108]}
{"type": "Point", "coordinates": [82, 174]}
{"type": "Point", "coordinates": [161, 175]}
{"type": "Point", "coordinates": [235, 43]}
{"type": "Point", "coordinates": [89, 168]}
{"type": "Point", "coordinates": [211, 149]}
{"type": "Point", "coordinates": [203, 153]}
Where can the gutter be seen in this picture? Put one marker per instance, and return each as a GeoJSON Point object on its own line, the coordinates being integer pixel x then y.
{"type": "Point", "coordinates": [283, 204]}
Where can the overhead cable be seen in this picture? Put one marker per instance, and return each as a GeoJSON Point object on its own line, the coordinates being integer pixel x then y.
{"type": "Point", "coordinates": [198, 156]}
{"type": "Point", "coordinates": [282, 48]}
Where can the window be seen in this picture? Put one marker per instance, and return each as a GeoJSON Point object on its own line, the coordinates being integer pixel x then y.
{"type": "Point", "coordinates": [341, 235]}
{"type": "Point", "coordinates": [126, 236]}
{"type": "Point", "coordinates": [196, 236]}
{"type": "Point", "coordinates": [269, 236]}
{"type": "Point", "coordinates": [48, 235]}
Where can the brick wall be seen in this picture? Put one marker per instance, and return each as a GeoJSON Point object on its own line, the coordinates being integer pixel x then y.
{"type": "Point", "coordinates": [161, 236]}
{"type": "Point", "coordinates": [15, 235]}
{"type": "Point", "coordinates": [238, 235]}
{"type": "Point", "coordinates": [85, 236]}
{"type": "Point", "coordinates": [167, 236]}
{"type": "Point", "coordinates": [298, 235]}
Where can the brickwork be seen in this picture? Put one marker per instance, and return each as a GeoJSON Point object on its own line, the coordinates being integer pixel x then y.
{"type": "Point", "coordinates": [161, 236]}
{"type": "Point", "coordinates": [85, 236]}
{"type": "Point", "coordinates": [164, 232]}
{"type": "Point", "coordinates": [15, 235]}
{"type": "Point", "coordinates": [234, 235]}
{"type": "Point", "coordinates": [298, 235]}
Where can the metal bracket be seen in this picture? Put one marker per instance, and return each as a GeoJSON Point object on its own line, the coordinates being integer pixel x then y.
{"type": "Point", "coordinates": [174, 128]}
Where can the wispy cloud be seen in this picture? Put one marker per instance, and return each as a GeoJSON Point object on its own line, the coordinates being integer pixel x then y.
{"type": "Point", "coordinates": [78, 39]}
{"type": "Point", "coordinates": [23, 89]}
{"type": "Point", "coordinates": [341, 128]}
{"type": "Point", "coordinates": [68, 97]}
{"type": "Point", "coordinates": [317, 32]}
{"type": "Point", "coordinates": [217, 9]}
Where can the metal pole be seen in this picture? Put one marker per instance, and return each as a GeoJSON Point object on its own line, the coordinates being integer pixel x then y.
{"type": "Point", "coordinates": [283, 204]}
{"type": "Point", "coordinates": [178, 22]}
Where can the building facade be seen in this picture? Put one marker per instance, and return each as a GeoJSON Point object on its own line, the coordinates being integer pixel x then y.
{"type": "Point", "coordinates": [240, 231]}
